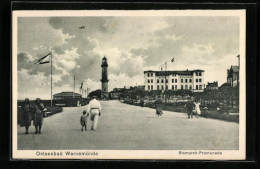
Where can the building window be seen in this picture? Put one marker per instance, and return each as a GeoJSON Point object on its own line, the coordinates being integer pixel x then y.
{"type": "Point", "coordinates": [196, 80]}
{"type": "Point", "coordinates": [162, 81]}
{"type": "Point", "coordinates": [199, 80]}
{"type": "Point", "coordinates": [148, 81]}
{"type": "Point", "coordinates": [172, 87]}
{"type": "Point", "coordinates": [151, 74]}
{"type": "Point", "coordinates": [166, 80]}
{"type": "Point", "coordinates": [200, 87]}
{"type": "Point", "coordinates": [181, 80]}
{"type": "Point", "coordinates": [158, 81]}
{"type": "Point", "coordinates": [148, 74]}
{"type": "Point", "coordinates": [158, 87]}
{"type": "Point", "coordinates": [162, 87]}
{"type": "Point", "coordinates": [186, 86]}
{"type": "Point", "coordinates": [181, 86]}
{"type": "Point", "coordinates": [175, 87]}
{"type": "Point", "coordinates": [199, 73]}
{"type": "Point", "coordinates": [197, 87]}
{"type": "Point", "coordinates": [151, 87]}
{"type": "Point", "coordinates": [172, 80]}
{"type": "Point", "coordinates": [190, 87]}
{"type": "Point", "coordinates": [190, 80]}
{"type": "Point", "coordinates": [175, 80]}
{"type": "Point", "coordinates": [186, 80]}
{"type": "Point", "coordinates": [151, 80]}
{"type": "Point", "coordinates": [148, 87]}
{"type": "Point", "coordinates": [196, 73]}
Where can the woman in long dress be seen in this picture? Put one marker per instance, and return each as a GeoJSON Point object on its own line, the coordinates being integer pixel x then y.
{"type": "Point", "coordinates": [38, 117]}
{"type": "Point", "coordinates": [26, 115]}
{"type": "Point", "coordinates": [197, 108]}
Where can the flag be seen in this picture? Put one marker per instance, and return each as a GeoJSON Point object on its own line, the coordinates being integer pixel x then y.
{"type": "Point", "coordinates": [172, 59]}
{"type": "Point", "coordinates": [43, 60]}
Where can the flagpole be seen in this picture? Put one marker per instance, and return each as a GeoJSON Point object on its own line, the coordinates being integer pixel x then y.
{"type": "Point", "coordinates": [51, 79]}
{"type": "Point", "coordinates": [74, 87]}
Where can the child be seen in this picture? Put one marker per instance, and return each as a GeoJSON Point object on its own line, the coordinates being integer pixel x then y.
{"type": "Point", "coordinates": [83, 120]}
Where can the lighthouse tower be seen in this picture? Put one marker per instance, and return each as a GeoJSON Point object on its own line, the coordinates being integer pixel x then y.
{"type": "Point", "coordinates": [104, 80]}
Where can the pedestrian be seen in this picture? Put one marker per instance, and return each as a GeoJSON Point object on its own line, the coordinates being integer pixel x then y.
{"type": "Point", "coordinates": [190, 107]}
{"type": "Point", "coordinates": [205, 112]}
{"type": "Point", "coordinates": [94, 108]}
{"type": "Point", "coordinates": [142, 102]}
{"type": "Point", "coordinates": [197, 109]}
{"type": "Point", "coordinates": [218, 109]}
{"type": "Point", "coordinates": [158, 105]}
{"type": "Point", "coordinates": [83, 120]}
{"type": "Point", "coordinates": [26, 115]}
{"type": "Point", "coordinates": [38, 116]}
{"type": "Point", "coordinates": [185, 109]}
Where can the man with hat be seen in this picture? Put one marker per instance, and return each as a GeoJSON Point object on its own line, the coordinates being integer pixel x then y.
{"type": "Point", "coordinates": [94, 108]}
{"type": "Point", "coordinates": [190, 107]}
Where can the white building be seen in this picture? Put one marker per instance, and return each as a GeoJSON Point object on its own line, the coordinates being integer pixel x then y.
{"type": "Point", "coordinates": [174, 80]}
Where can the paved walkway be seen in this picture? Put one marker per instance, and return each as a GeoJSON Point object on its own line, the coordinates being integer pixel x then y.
{"type": "Point", "coordinates": [127, 127]}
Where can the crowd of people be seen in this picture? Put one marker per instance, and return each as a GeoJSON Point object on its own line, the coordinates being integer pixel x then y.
{"type": "Point", "coordinates": [191, 108]}
{"type": "Point", "coordinates": [32, 112]}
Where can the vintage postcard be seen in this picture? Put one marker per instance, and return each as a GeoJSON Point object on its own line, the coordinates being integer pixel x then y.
{"type": "Point", "coordinates": [129, 84]}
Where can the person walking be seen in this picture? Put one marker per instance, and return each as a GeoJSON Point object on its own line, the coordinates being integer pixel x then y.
{"type": "Point", "coordinates": [142, 102]}
{"type": "Point", "coordinates": [94, 108]}
{"type": "Point", "coordinates": [26, 115]}
{"type": "Point", "coordinates": [197, 109]}
{"type": "Point", "coordinates": [158, 105]}
{"type": "Point", "coordinates": [83, 120]}
{"type": "Point", "coordinates": [190, 107]}
{"type": "Point", "coordinates": [38, 116]}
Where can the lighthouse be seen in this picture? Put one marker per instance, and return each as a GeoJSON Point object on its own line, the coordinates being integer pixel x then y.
{"type": "Point", "coordinates": [104, 80]}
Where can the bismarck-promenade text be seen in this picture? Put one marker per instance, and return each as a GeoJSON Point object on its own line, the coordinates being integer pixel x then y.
{"type": "Point", "coordinates": [200, 153]}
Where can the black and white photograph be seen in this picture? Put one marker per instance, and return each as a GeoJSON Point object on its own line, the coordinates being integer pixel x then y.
{"type": "Point", "coordinates": [125, 84]}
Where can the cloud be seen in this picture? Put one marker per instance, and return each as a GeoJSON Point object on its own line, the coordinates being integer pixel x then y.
{"type": "Point", "coordinates": [131, 45]}
{"type": "Point", "coordinates": [67, 60]}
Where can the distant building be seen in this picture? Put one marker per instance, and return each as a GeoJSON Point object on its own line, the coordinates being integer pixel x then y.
{"type": "Point", "coordinates": [140, 87]}
{"type": "Point", "coordinates": [233, 76]}
{"type": "Point", "coordinates": [66, 95]}
{"type": "Point", "coordinates": [212, 86]}
{"type": "Point", "coordinates": [192, 80]}
{"type": "Point", "coordinates": [116, 93]}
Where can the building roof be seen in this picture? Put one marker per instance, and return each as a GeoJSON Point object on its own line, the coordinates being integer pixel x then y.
{"type": "Point", "coordinates": [66, 94]}
{"type": "Point", "coordinates": [235, 68]}
{"type": "Point", "coordinates": [180, 72]}
{"type": "Point", "coordinates": [213, 84]}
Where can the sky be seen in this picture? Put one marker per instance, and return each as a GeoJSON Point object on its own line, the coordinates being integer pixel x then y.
{"type": "Point", "coordinates": [131, 45]}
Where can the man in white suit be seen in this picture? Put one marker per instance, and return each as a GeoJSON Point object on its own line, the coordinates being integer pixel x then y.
{"type": "Point", "coordinates": [94, 108]}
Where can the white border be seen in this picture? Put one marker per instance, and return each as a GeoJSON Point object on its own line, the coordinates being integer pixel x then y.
{"type": "Point", "coordinates": [135, 154]}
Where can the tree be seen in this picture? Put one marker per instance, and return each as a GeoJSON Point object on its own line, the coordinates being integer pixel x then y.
{"type": "Point", "coordinates": [95, 93]}
{"type": "Point", "coordinates": [183, 93]}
